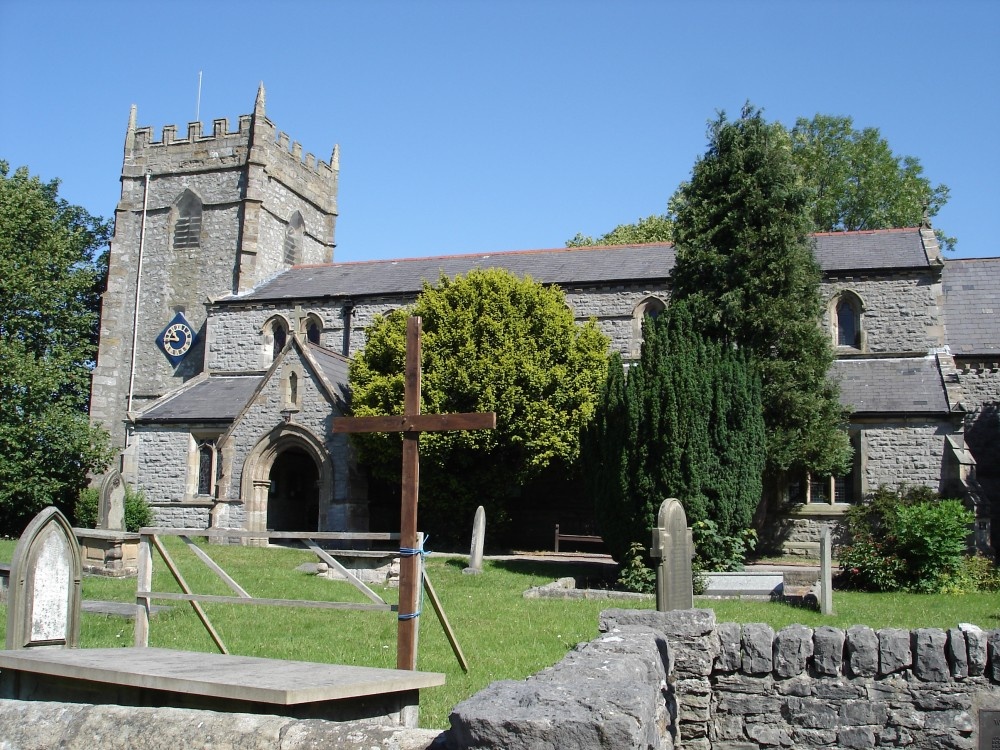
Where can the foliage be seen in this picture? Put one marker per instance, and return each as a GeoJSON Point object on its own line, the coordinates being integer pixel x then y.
{"type": "Point", "coordinates": [655, 228]}
{"type": "Point", "coordinates": [686, 422]}
{"type": "Point", "coordinates": [746, 267]}
{"type": "Point", "coordinates": [857, 182]}
{"type": "Point", "coordinates": [905, 539]}
{"type": "Point", "coordinates": [719, 552]}
{"type": "Point", "coordinates": [49, 301]}
{"type": "Point", "coordinates": [491, 342]}
{"type": "Point", "coordinates": [853, 181]}
{"type": "Point", "coordinates": [137, 510]}
{"type": "Point", "coordinates": [975, 574]}
{"type": "Point", "coordinates": [634, 574]}
{"type": "Point", "coordinates": [86, 512]}
{"type": "Point", "coordinates": [137, 513]}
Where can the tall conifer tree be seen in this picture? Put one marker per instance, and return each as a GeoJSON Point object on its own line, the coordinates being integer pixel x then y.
{"type": "Point", "coordinates": [745, 264]}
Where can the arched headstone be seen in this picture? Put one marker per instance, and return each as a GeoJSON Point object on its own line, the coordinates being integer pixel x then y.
{"type": "Point", "coordinates": [672, 544]}
{"type": "Point", "coordinates": [43, 607]}
{"type": "Point", "coordinates": [111, 511]}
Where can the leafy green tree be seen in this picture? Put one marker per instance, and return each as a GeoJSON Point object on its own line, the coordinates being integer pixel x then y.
{"type": "Point", "coordinates": [857, 182]}
{"type": "Point", "coordinates": [491, 342]}
{"type": "Point", "coordinates": [49, 301]}
{"type": "Point", "coordinates": [853, 178]}
{"type": "Point", "coordinates": [685, 422]}
{"type": "Point", "coordinates": [745, 265]}
{"type": "Point", "coordinates": [655, 228]}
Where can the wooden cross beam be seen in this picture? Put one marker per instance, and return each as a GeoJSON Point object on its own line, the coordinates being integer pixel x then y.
{"type": "Point", "coordinates": [411, 423]}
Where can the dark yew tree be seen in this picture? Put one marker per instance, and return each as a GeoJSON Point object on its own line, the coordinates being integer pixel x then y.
{"type": "Point", "coordinates": [745, 264]}
{"type": "Point", "coordinates": [685, 422]}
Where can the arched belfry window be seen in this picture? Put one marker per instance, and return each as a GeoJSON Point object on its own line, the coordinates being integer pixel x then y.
{"type": "Point", "coordinates": [276, 334]}
{"type": "Point", "coordinates": [847, 321]}
{"type": "Point", "coordinates": [187, 222]}
{"type": "Point", "coordinates": [312, 327]}
{"type": "Point", "coordinates": [651, 307]}
{"type": "Point", "coordinates": [293, 238]}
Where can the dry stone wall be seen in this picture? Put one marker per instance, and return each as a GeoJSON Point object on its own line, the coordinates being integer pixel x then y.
{"type": "Point", "coordinates": [681, 680]}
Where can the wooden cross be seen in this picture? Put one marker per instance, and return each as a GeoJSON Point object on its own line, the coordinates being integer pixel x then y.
{"type": "Point", "coordinates": [411, 423]}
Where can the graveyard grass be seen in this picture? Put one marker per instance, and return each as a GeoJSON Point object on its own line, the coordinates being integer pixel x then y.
{"type": "Point", "coordinates": [503, 635]}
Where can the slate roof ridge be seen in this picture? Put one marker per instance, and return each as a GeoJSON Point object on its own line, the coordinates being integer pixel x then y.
{"type": "Point", "coordinates": [482, 255]}
{"type": "Point", "coordinates": [842, 232]}
{"type": "Point", "coordinates": [949, 261]}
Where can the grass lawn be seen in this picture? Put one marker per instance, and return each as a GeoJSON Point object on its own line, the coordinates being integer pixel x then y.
{"type": "Point", "coordinates": [503, 635]}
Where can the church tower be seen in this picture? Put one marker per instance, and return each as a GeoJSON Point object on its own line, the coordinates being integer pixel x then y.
{"type": "Point", "coordinates": [199, 218]}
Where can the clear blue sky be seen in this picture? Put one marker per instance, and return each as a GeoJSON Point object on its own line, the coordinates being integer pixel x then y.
{"type": "Point", "coordinates": [484, 126]}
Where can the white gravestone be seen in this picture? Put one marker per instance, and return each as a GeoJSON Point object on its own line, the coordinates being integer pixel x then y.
{"type": "Point", "coordinates": [44, 599]}
{"type": "Point", "coordinates": [673, 545]}
{"type": "Point", "coordinates": [478, 538]}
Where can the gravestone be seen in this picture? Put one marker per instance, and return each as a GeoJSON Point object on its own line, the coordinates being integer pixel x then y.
{"type": "Point", "coordinates": [110, 550]}
{"type": "Point", "coordinates": [825, 573]}
{"type": "Point", "coordinates": [478, 538]}
{"type": "Point", "coordinates": [111, 510]}
{"type": "Point", "coordinates": [672, 543]}
{"type": "Point", "coordinates": [43, 606]}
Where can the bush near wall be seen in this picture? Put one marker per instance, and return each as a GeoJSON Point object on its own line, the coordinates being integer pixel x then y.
{"type": "Point", "coordinates": [910, 539]}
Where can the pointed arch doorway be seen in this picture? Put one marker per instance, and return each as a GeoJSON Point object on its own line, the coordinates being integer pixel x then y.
{"type": "Point", "coordinates": [293, 496]}
{"type": "Point", "coordinates": [287, 482]}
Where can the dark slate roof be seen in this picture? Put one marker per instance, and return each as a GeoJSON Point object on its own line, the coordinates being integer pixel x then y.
{"type": "Point", "coordinates": [334, 367]}
{"type": "Point", "coordinates": [565, 266]}
{"type": "Point", "coordinates": [877, 386]}
{"type": "Point", "coordinates": [835, 251]}
{"type": "Point", "coordinates": [870, 249]}
{"type": "Point", "coordinates": [972, 305]}
{"type": "Point", "coordinates": [215, 399]}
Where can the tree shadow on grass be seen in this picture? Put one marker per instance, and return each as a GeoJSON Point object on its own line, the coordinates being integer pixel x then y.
{"type": "Point", "coordinates": [587, 573]}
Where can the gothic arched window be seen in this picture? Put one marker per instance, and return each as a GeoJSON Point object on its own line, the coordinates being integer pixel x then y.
{"type": "Point", "coordinates": [187, 224]}
{"type": "Point", "coordinates": [847, 321]}
{"type": "Point", "coordinates": [277, 330]}
{"type": "Point", "coordinates": [293, 238]}
{"type": "Point", "coordinates": [651, 307]}
{"type": "Point", "coordinates": [206, 467]}
{"type": "Point", "coordinates": [312, 326]}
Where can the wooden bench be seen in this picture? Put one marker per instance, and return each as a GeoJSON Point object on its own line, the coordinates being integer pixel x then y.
{"type": "Point", "coordinates": [583, 538]}
{"type": "Point", "coordinates": [215, 682]}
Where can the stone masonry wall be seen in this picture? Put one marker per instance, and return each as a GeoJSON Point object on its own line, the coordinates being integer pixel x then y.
{"type": "Point", "coordinates": [681, 680]}
{"type": "Point", "coordinates": [904, 452]}
{"type": "Point", "coordinates": [901, 313]}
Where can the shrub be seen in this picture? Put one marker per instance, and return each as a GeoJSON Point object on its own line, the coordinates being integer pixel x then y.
{"type": "Point", "coordinates": [905, 539]}
{"type": "Point", "coordinates": [635, 575]}
{"type": "Point", "coordinates": [137, 511]}
{"type": "Point", "coordinates": [86, 508]}
{"type": "Point", "coordinates": [975, 574]}
{"type": "Point", "coordinates": [717, 552]}
{"type": "Point", "coordinates": [933, 538]}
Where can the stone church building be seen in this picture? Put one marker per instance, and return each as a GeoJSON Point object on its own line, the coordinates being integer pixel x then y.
{"type": "Point", "coordinates": [227, 327]}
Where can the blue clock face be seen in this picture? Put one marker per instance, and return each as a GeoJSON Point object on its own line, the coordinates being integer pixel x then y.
{"type": "Point", "coordinates": [177, 339]}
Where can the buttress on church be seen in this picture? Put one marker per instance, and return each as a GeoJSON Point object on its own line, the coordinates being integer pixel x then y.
{"type": "Point", "coordinates": [227, 329]}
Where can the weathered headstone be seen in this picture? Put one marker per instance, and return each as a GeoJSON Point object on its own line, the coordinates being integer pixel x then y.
{"type": "Point", "coordinates": [672, 543]}
{"type": "Point", "coordinates": [43, 607]}
{"type": "Point", "coordinates": [478, 537]}
{"type": "Point", "coordinates": [111, 510]}
{"type": "Point", "coordinates": [825, 574]}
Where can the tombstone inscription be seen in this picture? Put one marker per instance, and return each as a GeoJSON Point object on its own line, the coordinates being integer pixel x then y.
{"type": "Point", "coordinates": [673, 545]}
{"type": "Point", "coordinates": [45, 574]}
{"type": "Point", "coordinates": [478, 537]}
